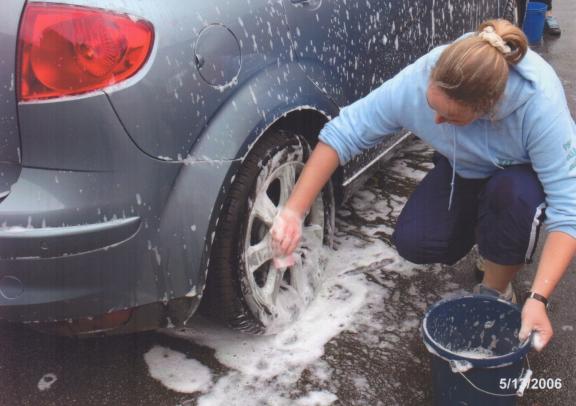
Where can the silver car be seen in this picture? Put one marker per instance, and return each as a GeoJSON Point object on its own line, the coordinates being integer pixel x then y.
{"type": "Point", "coordinates": [146, 146]}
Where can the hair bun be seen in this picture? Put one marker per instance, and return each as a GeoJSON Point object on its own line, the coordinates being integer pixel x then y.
{"type": "Point", "coordinates": [512, 37]}
{"type": "Point", "coordinates": [489, 35]}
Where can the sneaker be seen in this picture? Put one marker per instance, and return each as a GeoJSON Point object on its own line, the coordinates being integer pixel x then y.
{"type": "Point", "coordinates": [551, 25]}
{"type": "Point", "coordinates": [509, 295]}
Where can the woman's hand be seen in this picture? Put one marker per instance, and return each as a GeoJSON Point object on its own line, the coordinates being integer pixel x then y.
{"type": "Point", "coordinates": [286, 229]}
{"type": "Point", "coordinates": [286, 232]}
{"type": "Point", "coordinates": [535, 318]}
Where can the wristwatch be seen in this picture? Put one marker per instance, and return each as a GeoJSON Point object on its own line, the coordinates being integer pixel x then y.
{"type": "Point", "coordinates": [538, 297]}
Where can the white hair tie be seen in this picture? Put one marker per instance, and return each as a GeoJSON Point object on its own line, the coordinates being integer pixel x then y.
{"type": "Point", "coordinates": [489, 35]}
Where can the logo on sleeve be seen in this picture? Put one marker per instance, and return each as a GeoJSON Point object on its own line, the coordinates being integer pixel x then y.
{"type": "Point", "coordinates": [570, 154]}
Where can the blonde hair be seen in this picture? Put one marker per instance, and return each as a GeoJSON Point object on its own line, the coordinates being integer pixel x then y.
{"type": "Point", "coordinates": [474, 70]}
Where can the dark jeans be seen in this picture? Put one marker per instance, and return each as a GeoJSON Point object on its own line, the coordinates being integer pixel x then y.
{"type": "Point", "coordinates": [502, 214]}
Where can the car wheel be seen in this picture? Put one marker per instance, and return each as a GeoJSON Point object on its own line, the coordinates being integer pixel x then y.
{"type": "Point", "coordinates": [244, 289]}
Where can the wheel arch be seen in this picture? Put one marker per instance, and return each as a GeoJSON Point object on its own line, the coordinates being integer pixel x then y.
{"type": "Point", "coordinates": [281, 98]}
{"type": "Point", "coordinates": [278, 96]}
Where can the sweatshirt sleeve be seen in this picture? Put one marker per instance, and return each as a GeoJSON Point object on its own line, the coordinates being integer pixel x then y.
{"type": "Point", "coordinates": [551, 143]}
{"type": "Point", "coordinates": [367, 121]}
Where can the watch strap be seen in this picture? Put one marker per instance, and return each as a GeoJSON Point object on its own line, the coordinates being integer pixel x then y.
{"type": "Point", "coordinates": [538, 297]}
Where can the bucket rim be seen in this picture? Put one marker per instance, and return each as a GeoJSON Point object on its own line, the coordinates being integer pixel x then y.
{"type": "Point", "coordinates": [536, 6]}
{"type": "Point", "coordinates": [487, 362]}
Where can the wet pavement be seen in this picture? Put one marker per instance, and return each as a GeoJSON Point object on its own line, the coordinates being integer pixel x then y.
{"type": "Point", "coordinates": [372, 356]}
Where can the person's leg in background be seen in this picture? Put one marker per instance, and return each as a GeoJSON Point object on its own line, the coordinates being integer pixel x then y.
{"type": "Point", "coordinates": [521, 4]}
{"type": "Point", "coordinates": [551, 25]}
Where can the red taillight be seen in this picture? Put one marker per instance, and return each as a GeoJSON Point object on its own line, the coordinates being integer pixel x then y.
{"type": "Point", "coordinates": [67, 50]}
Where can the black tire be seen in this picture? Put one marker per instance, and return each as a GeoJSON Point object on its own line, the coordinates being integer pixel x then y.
{"type": "Point", "coordinates": [233, 291]}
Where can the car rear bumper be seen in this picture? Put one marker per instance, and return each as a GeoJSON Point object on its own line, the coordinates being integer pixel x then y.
{"type": "Point", "coordinates": [70, 286]}
{"type": "Point", "coordinates": [80, 244]}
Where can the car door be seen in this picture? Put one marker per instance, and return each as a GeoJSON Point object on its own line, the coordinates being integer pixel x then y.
{"type": "Point", "coordinates": [335, 43]}
{"type": "Point", "coordinates": [452, 18]}
{"type": "Point", "coordinates": [350, 47]}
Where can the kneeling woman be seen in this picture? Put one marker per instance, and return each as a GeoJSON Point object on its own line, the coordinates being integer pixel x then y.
{"type": "Point", "coordinates": [505, 160]}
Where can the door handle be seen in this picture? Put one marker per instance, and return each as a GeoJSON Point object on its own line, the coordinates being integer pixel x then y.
{"type": "Point", "coordinates": [300, 2]}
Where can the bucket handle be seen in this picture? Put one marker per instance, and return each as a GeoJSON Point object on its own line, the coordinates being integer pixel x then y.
{"type": "Point", "coordinates": [524, 380]}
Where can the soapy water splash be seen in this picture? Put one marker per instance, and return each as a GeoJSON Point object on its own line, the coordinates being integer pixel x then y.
{"type": "Point", "coordinates": [358, 339]}
{"type": "Point", "coordinates": [47, 381]}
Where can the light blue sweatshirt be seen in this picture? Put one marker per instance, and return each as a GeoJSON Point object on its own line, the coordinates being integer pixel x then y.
{"type": "Point", "coordinates": [531, 124]}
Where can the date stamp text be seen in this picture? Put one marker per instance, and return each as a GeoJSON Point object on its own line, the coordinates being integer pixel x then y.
{"type": "Point", "coordinates": [532, 383]}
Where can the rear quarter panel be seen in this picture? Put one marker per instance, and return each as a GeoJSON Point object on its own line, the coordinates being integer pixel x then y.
{"type": "Point", "coordinates": [168, 105]}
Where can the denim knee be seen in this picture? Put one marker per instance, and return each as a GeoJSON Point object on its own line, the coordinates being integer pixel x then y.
{"type": "Point", "coordinates": [510, 215]}
{"type": "Point", "coordinates": [419, 250]}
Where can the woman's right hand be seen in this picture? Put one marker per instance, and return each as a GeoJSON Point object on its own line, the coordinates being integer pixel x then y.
{"type": "Point", "coordinates": [286, 232]}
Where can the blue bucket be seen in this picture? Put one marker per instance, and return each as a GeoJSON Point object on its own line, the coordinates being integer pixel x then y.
{"type": "Point", "coordinates": [533, 25]}
{"type": "Point", "coordinates": [477, 358]}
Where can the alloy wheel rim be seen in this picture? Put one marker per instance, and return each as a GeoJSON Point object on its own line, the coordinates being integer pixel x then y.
{"type": "Point", "coordinates": [278, 295]}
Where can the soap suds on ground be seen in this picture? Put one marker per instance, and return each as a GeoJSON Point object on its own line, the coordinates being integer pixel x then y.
{"type": "Point", "coordinates": [360, 329]}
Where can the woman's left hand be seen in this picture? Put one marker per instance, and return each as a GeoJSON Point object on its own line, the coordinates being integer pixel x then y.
{"type": "Point", "coordinates": [535, 318]}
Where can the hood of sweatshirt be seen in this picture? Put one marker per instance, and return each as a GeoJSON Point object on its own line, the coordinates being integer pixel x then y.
{"type": "Point", "coordinates": [520, 87]}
